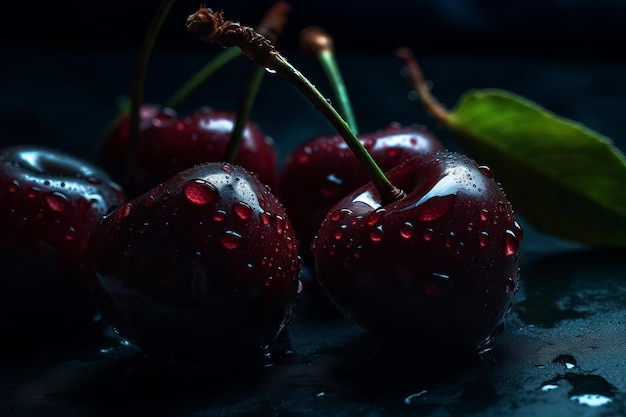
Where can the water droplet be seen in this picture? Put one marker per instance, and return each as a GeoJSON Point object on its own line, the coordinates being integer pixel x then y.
{"type": "Point", "coordinates": [32, 193]}
{"type": "Point", "coordinates": [428, 234]}
{"type": "Point", "coordinates": [14, 186]}
{"type": "Point", "coordinates": [486, 171]}
{"type": "Point", "coordinates": [406, 230]}
{"type": "Point", "coordinates": [437, 201]}
{"type": "Point", "coordinates": [520, 231]}
{"type": "Point", "coordinates": [377, 233]}
{"type": "Point", "coordinates": [509, 285]}
{"type": "Point", "coordinates": [450, 240]}
{"type": "Point", "coordinates": [470, 227]}
{"type": "Point", "coordinates": [219, 215]}
{"type": "Point", "coordinates": [483, 239]}
{"type": "Point", "coordinates": [242, 210]}
{"type": "Point", "coordinates": [265, 218]}
{"type": "Point", "coordinates": [589, 390]}
{"type": "Point", "coordinates": [270, 70]}
{"type": "Point", "coordinates": [331, 187]}
{"type": "Point", "coordinates": [339, 232]}
{"type": "Point", "coordinates": [150, 201]}
{"type": "Point", "coordinates": [200, 192]}
{"type": "Point", "coordinates": [340, 214]}
{"type": "Point", "coordinates": [56, 201]}
{"type": "Point", "coordinates": [70, 233]}
{"type": "Point", "coordinates": [279, 224]}
{"type": "Point", "coordinates": [436, 284]}
{"type": "Point", "coordinates": [569, 361]}
{"type": "Point", "coordinates": [592, 400]}
{"type": "Point", "coordinates": [374, 217]}
{"type": "Point", "coordinates": [230, 239]}
{"type": "Point", "coordinates": [484, 215]}
{"type": "Point", "coordinates": [511, 243]}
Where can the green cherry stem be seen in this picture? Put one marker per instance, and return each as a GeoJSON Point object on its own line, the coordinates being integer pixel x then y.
{"type": "Point", "coordinates": [421, 87]}
{"type": "Point", "coordinates": [253, 85]}
{"type": "Point", "coordinates": [211, 27]}
{"type": "Point", "coordinates": [204, 73]}
{"type": "Point", "coordinates": [271, 27]}
{"type": "Point", "coordinates": [139, 78]}
{"type": "Point", "coordinates": [317, 42]}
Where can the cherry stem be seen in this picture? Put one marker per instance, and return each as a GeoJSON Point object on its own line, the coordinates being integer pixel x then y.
{"type": "Point", "coordinates": [138, 81]}
{"type": "Point", "coordinates": [422, 87]}
{"type": "Point", "coordinates": [318, 43]}
{"type": "Point", "coordinates": [196, 80]}
{"type": "Point", "coordinates": [211, 27]}
{"type": "Point", "coordinates": [271, 27]}
{"type": "Point", "coordinates": [271, 24]}
{"type": "Point", "coordinates": [243, 112]}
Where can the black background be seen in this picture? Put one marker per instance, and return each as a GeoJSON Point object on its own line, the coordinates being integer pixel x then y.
{"type": "Point", "coordinates": [583, 29]}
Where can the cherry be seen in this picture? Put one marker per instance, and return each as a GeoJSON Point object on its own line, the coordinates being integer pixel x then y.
{"type": "Point", "coordinates": [150, 143]}
{"type": "Point", "coordinates": [49, 202]}
{"type": "Point", "coordinates": [437, 269]}
{"type": "Point", "coordinates": [199, 269]}
{"type": "Point", "coordinates": [432, 262]}
{"type": "Point", "coordinates": [169, 143]}
{"type": "Point", "coordinates": [323, 169]}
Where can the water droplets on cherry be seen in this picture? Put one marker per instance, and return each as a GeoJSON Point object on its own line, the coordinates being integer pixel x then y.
{"type": "Point", "coordinates": [230, 239]}
{"type": "Point", "coordinates": [511, 242]}
{"type": "Point", "coordinates": [436, 284]}
{"type": "Point", "coordinates": [200, 192]}
{"type": "Point", "coordinates": [406, 230]}
{"type": "Point", "coordinates": [242, 210]}
{"type": "Point", "coordinates": [56, 201]}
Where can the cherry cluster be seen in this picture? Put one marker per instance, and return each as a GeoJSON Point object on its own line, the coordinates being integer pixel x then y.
{"type": "Point", "coordinates": [191, 256]}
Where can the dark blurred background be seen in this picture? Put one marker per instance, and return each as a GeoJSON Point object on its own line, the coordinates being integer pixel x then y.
{"type": "Point", "coordinates": [66, 63]}
{"type": "Point", "coordinates": [577, 29]}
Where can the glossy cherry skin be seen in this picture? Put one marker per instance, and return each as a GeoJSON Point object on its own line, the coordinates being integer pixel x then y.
{"type": "Point", "coordinates": [49, 202]}
{"type": "Point", "coordinates": [319, 172]}
{"type": "Point", "coordinates": [169, 143]}
{"type": "Point", "coordinates": [204, 265]}
{"type": "Point", "coordinates": [436, 270]}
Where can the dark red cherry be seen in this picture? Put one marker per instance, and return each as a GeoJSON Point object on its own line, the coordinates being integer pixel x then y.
{"type": "Point", "coordinates": [49, 202]}
{"type": "Point", "coordinates": [437, 269]}
{"type": "Point", "coordinates": [202, 266]}
{"type": "Point", "coordinates": [321, 171]}
{"type": "Point", "coordinates": [113, 155]}
{"type": "Point", "coordinates": [169, 143]}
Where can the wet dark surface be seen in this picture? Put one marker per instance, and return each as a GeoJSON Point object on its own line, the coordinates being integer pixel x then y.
{"type": "Point", "coordinates": [562, 352]}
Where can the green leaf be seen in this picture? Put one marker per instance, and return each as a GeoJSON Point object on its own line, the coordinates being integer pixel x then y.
{"type": "Point", "coordinates": [561, 177]}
